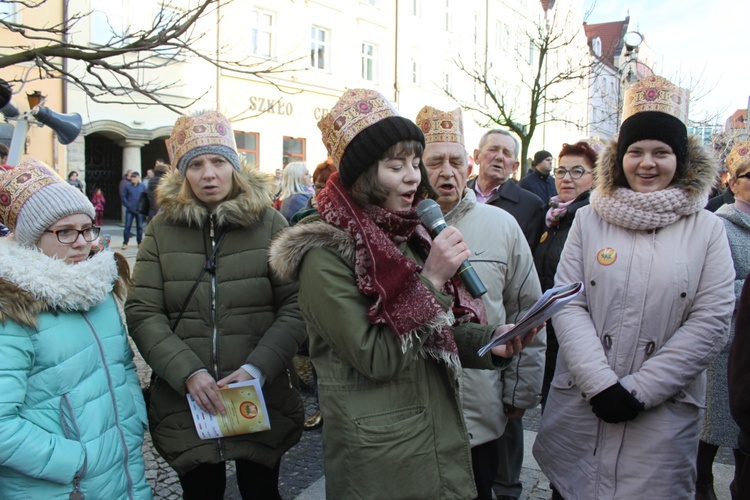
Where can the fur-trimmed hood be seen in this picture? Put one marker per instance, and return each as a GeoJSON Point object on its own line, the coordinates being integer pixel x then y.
{"type": "Point", "coordinates": [290, 246]}
{"type": "Point", "coordinates": [32, 283]}
{"type": "Point", "coordinates": [701, 172]}
{"type": "Point", "coordinates": [244, 210]}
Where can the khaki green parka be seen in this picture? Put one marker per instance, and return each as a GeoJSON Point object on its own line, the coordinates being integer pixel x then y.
{"type": "Point", "coordinates": [241, 312]}
{"type": "Point", "coordinates": [392, 421]}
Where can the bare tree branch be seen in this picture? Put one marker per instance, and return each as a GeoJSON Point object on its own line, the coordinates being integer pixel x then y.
{"type": "Point", "coordinates": [125, 68]}
{"type": "Point", "coordinates": [545, 80]}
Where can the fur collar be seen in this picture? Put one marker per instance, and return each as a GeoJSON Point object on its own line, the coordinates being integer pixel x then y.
{"type": "Point", "coordinates": [244, 210]}
{"type": "Point", "coordinates": [32, 283]}
{"type": "Point", "coordinates": [289, 247]}
{"type": "Point", "coordinates": [701, 172]}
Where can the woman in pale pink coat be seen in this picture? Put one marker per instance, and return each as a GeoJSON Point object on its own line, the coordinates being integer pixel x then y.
{"type": "Point", "coordinates": [623, 416]}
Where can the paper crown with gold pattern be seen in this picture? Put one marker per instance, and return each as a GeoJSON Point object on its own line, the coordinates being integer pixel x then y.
{"type": "Point", "coordinates": [738, 156]}
{"type": "Point", "coordinates": [441, 126]}
{"type": "Point", "coordinates": [656, 93]}
{"type": "Point", "coordinates": [361, 126]}
{"type": "Point", "coordinates": [33, 197]}
{"type": "Point", "coordinates": [205, 133]}
{"type": "Point", "coordinates": [654, 109]}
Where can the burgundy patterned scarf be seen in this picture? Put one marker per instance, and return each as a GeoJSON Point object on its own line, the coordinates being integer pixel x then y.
{"type": "Point", "coordinates": [401, 299]}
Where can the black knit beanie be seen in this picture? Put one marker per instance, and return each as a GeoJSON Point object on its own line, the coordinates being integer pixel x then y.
{"type": "Point", "coordinates": [539, 157]}
{"type": "Point", "coordinates": [653, 125]}
{"type": "Point", "coordinates": [368, 146]}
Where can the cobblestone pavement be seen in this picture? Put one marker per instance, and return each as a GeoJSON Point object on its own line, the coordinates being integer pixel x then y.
{"type": "Point", "coordinates": [303, 464]}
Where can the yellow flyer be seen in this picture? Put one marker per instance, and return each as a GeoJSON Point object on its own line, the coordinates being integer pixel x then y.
{"type": "Point", "coordinates": [246, 412]}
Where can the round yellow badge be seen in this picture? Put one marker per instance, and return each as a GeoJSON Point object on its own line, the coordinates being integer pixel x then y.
{"type": "Point", "coordinates": [248, 409]}
{"type": "Point", "coordinates": [606, 256]}
{"type": "Point", "coordinates": [544, 237]}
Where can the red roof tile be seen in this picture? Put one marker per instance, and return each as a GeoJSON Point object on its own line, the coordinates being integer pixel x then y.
{"type": "Point", "coordinates": [611, 36]}
{"type": "Point", "coordinates": [738, 119]}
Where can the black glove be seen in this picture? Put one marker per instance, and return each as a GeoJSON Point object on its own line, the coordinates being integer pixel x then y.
{"type": "Point", "coordinates": [615, 404]}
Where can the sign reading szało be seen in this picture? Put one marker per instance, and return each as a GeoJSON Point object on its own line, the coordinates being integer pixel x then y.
{"type": "Point", "coordinates": [275, 106]}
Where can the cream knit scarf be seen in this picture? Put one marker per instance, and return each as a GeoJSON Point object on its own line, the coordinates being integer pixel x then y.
{"type": "Point", "coordinates": [641, 211]}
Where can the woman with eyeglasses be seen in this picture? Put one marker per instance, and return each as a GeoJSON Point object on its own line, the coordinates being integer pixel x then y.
{"type": "Point", "coordinates": [623, 415]}
{"type": "Point", "coordinates": [719, 429]}
{"type": "Point", "coordinates": [574, 178]}
{"type": "Point", "coordinates": [72, 415]}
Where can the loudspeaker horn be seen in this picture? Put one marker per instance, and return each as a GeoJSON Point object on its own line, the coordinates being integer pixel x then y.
{"type": "Point", "coordinates": [67, 127]}
{"type": "Point", "coordinates": [7, 108]}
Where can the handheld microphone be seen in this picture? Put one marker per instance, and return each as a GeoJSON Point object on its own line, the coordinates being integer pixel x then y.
{"type": "Point", "coordinates": [432, 217]}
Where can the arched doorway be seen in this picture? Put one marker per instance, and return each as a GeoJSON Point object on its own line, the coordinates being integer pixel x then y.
{"type": "Point", "coordinates": [104, 170]}
{"type": "Point", "coordinates": [154, 150]}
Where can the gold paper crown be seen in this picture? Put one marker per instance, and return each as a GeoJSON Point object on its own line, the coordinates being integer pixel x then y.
{"type": "Point", "coordinates": [656, 93]}
{"type": "Point", "coordinates": [441, 126]}
{"type": "Point", "coordinates": [207, 129]}
{"type": "Point", "coordinates": [19, 184]}
{"type": "Point", "coordinates": [737, 156]}
{"type": "Point", "coordinates": [355, 110]}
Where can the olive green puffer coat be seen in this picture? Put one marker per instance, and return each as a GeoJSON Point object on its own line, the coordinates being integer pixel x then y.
{"type": "Point", "coordinates": [240, 313]}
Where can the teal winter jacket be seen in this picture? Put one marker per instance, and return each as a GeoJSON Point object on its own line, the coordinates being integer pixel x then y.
{"type": "Point", "coordinates": [71, 410]}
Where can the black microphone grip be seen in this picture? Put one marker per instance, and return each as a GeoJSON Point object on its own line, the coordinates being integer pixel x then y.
{"type": "Point", "coordinates": [470, 278]}
{"type": "Point", "coordinates": [432, 217]}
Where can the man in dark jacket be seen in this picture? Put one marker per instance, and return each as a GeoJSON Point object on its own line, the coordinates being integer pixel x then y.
{"type": "Point", "coordinates": [538, 180]}
{"type": "Point", "coordinates": [160, 170]}
{"type": "Point", "coordinates": [130, 195]}
{"type": "Point", "coordinates": [497, 158]}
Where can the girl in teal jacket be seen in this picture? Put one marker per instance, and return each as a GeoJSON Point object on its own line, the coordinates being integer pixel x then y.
{"type": "Point", "coordinates": [72, 415]}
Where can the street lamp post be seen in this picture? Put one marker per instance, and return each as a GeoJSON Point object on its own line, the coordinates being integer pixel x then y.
{"type": "Point", "coordinates": [628, 69]}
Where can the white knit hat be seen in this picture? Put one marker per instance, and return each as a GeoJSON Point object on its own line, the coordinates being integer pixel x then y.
{"type": "Point", "coordinates": [33, 197]}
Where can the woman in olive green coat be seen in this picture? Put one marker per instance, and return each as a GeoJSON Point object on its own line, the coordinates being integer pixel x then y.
{"type": "Point", "coordinates": [390, 326]}
{"type": "Point", "coordinates": [241, 322]}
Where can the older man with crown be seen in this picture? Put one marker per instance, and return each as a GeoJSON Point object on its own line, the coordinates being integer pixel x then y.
{"type": "Point", "coordinates": [503, 261]}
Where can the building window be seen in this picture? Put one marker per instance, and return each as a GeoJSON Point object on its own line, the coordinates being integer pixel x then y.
{"type": "Point", "coordinates": [414, 66]}
{"type": "Point", "coordinates": [447, 87]}
{"type": "Point", "coordinates": [532, 51]}
{"type": "Point", "coordinates": [502, 36]}
{"type": "Point", "coordinates": [478, 91]}
{"type": "Point", "coordinates": [448, 17]}
{"type": "Point", "coordinates": [168, 16]}
{"type": "Point", "coordinates": [369, 66]}
{"type": "Point", "coordinates": [261, 33]}
{"type": "Point", "coordinates": [9, 12]}
{"type": "Point", "coordinates": [476, 29]}
{"type": "Point", "coordinates": [319, 48]}
{"type": "Point", "coordinates": [247, 146]}
{"type": "Point", "coordinates": [107, 23]}
{"type": "Point", "coordinates": [294, 149]}
{"type": "Point", "coordinates": [415, 8]}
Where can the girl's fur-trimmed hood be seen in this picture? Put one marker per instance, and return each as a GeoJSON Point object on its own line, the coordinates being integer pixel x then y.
{"type": "Point", "coordinates": [702, 169]}
{"type": "Point", "coordinates": [244, 210]}
{"type": "Point", "coordinates": [32, 283]}
{"type": "Point", "coordinates": [289, 247]}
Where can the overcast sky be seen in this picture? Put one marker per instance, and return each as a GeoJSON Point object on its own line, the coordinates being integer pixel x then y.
{"type": "Point", "coordinates": [690, 38]}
